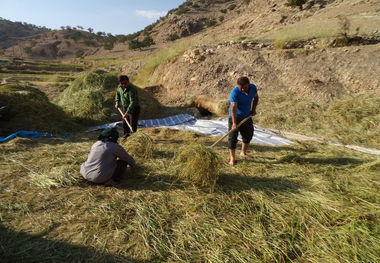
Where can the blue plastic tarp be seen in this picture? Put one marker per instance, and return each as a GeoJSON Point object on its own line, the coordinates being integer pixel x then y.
{"type": "Point", "coordinates": [26, 134]}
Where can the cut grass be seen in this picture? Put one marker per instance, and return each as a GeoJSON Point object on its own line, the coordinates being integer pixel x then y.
{"type": "Point", "coordinates": [301, 203]}
{"type": "Point", "coordinates": [350, 120]}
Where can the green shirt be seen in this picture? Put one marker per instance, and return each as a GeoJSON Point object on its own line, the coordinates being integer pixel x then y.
{"type": "Point", "coordinates": [128, 98]}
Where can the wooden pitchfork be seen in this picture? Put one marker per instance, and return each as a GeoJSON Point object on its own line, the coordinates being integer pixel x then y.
{"type": "Point", "coordinates": [232, 130]}
{"type": "Point", "coordinates": [125, 119]}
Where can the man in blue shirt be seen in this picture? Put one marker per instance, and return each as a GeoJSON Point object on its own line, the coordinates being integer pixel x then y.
{"type": "Point", "coordinates": [244, 100]}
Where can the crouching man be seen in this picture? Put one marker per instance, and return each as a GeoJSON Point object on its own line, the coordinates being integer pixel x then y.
{"type": "Point", "coordinates": [244, 100]}
{"type": "Point", "coordinates": [107, 160]}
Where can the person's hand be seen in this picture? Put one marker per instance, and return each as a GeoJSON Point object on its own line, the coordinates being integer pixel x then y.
{"type": "Point", "coordinates": [126, 115]}
{"type": "Point", "coordinates": [234, 126]}
{"type": "Point", "coordinates": [117, 106]}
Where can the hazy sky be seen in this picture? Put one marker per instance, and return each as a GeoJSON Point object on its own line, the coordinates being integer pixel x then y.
{"type": "Point", "coordinates": [111, 16]}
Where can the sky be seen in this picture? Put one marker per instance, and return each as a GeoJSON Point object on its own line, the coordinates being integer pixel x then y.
{"type": "Point", "coordinates": [111, 16]}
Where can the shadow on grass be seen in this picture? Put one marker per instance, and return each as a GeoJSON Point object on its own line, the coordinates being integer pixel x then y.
{"type": "Point", "coordinates": [25, 247]}
{"type": "Point", "coordinates": [237, 183]}
{"type": "Point", "coordinates": [267, 148]}
{"type": "Point", "coordinates": [336, 161]}
{"type": "Point", "coordinates": [140, 179]}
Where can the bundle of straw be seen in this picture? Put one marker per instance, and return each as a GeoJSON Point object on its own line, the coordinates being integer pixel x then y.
{"type": "Point", "coordinates": [198, 165]}
{"type": "Point", "coordinates": [139, 145]}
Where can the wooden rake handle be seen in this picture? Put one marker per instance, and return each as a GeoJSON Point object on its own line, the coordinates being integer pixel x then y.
{"type": "Point", "coordinates": [125, 119]}
{"type": "Point", "coordinates": [232, 130]}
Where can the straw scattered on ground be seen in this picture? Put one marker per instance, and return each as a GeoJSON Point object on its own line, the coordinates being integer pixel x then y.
{"type": "Point", "coordinates": [299, 203]}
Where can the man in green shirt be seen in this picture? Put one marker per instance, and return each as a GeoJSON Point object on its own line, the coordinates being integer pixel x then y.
{"type": "Point", "coordinates": [127, 99]}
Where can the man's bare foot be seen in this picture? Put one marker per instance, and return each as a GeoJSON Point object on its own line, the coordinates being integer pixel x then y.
{"type": "Point", "coordinates": [244, 155]}
{"type": "Point", "coordinates": [232, 162]}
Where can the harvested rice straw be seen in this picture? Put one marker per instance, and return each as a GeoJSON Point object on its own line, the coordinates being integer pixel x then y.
{"type": "Point", "coordinates": [198, 165]}
{"type": "Point", "coordinates": [139, 145]}
{"type": "Point", "coordinates": [219, 107]}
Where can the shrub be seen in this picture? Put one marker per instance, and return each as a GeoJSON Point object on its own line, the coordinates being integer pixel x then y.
{"type": "Point", "coordinates": [136, 44]}
{"type": "Point", "coordinates": [182, 10]}
{"type": "Point", "coordinates": [296, 3]}
{"type": "Point", "coordinates": [211, 22]}
{"type": "Point", "coordinates": [172, 37]}
{"type": "Point", "coordinates": [232, 7]}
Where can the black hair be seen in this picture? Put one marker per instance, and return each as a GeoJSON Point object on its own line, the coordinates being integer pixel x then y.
{"type": "Point", "coordinates": [243, 81]}
{"type": "Point", "coordinates": [123, 78]}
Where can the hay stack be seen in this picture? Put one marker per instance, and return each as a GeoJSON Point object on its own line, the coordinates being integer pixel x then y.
{"type": "Point", "coordinates": [30, 109]}
{"type": "Point", "coordinates": [139, 145]}
{"type": "Point", "coordinates": [198, 165]}
{"type": "Point", "coordinates": [218, 107]}
{"type": "Point", "coordinates": [90, 96]}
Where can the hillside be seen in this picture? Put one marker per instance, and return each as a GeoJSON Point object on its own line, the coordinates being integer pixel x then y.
{"type": "Point", "coordinates": [12, 33]}
{"type": "Point", "coordinates": [57, 44]}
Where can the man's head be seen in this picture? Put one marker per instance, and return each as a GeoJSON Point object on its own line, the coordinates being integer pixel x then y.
{"type": "Point", "coordinates": [243, 83]}
{"type": "Point", "coordinates": [124, 81]}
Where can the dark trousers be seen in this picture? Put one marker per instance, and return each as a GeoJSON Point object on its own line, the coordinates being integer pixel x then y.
{"type": "Point", "coordinates": [119, 171]}
{"type": "Point", "coordinates": [133, 120]}
{"type": "Point", "coordinates": [246, 130]}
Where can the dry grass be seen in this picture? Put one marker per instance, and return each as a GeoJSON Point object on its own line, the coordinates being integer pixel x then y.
{"type": "Point", "coordinates": [198, 165]}
{"type": "Point", "coordinates": [164, 55]}
{"type": "Point", "coordinates": [90, 96]}
{"type": "Point", "coordinates": [31, 110]}
{"type": "Point", "coordinates": [351, 120]}
{"type": "Point", "coordinates": [305, 203]}
{"type": "Point", "coordinates": [140, 145]}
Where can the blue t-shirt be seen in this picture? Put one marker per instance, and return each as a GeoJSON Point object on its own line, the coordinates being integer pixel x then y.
{"type": "Point", "coordinates": [244, 101]}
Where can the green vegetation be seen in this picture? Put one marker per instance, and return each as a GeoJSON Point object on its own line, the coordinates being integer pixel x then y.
{"type": "Point", "coordinates": [211, 22]}
{"type": "Point", "coordinates": [162, 56]}
{"type": "Point", "coordinates": [351, 120]}
{"type": "Point", "coordinates": [31, 110]}
{"type": "Point", "coordinates": [136, 44]}
{"type": "Point", "coordinates": [172, 37]}
{"type": "Point", "coordinates": [296, 3]}
{"type": "Point", "coordinates": [231, 7]}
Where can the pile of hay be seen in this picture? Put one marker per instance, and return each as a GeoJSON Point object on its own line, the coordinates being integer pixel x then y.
{"type": "Point", "coordinates": [218, 107]}
{"type": "Point", "coordinates": [30, 109]}
{"type": "Point", "coordinates": [139, 145]}
{"type": "Point", "coordinates": [90, 96]}
{"type": "Point", "coordinates": [198, 165]}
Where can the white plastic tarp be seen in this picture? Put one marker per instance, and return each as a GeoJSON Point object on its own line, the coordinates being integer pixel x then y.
{"type": "Point", "coordinates": [206, 127]}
